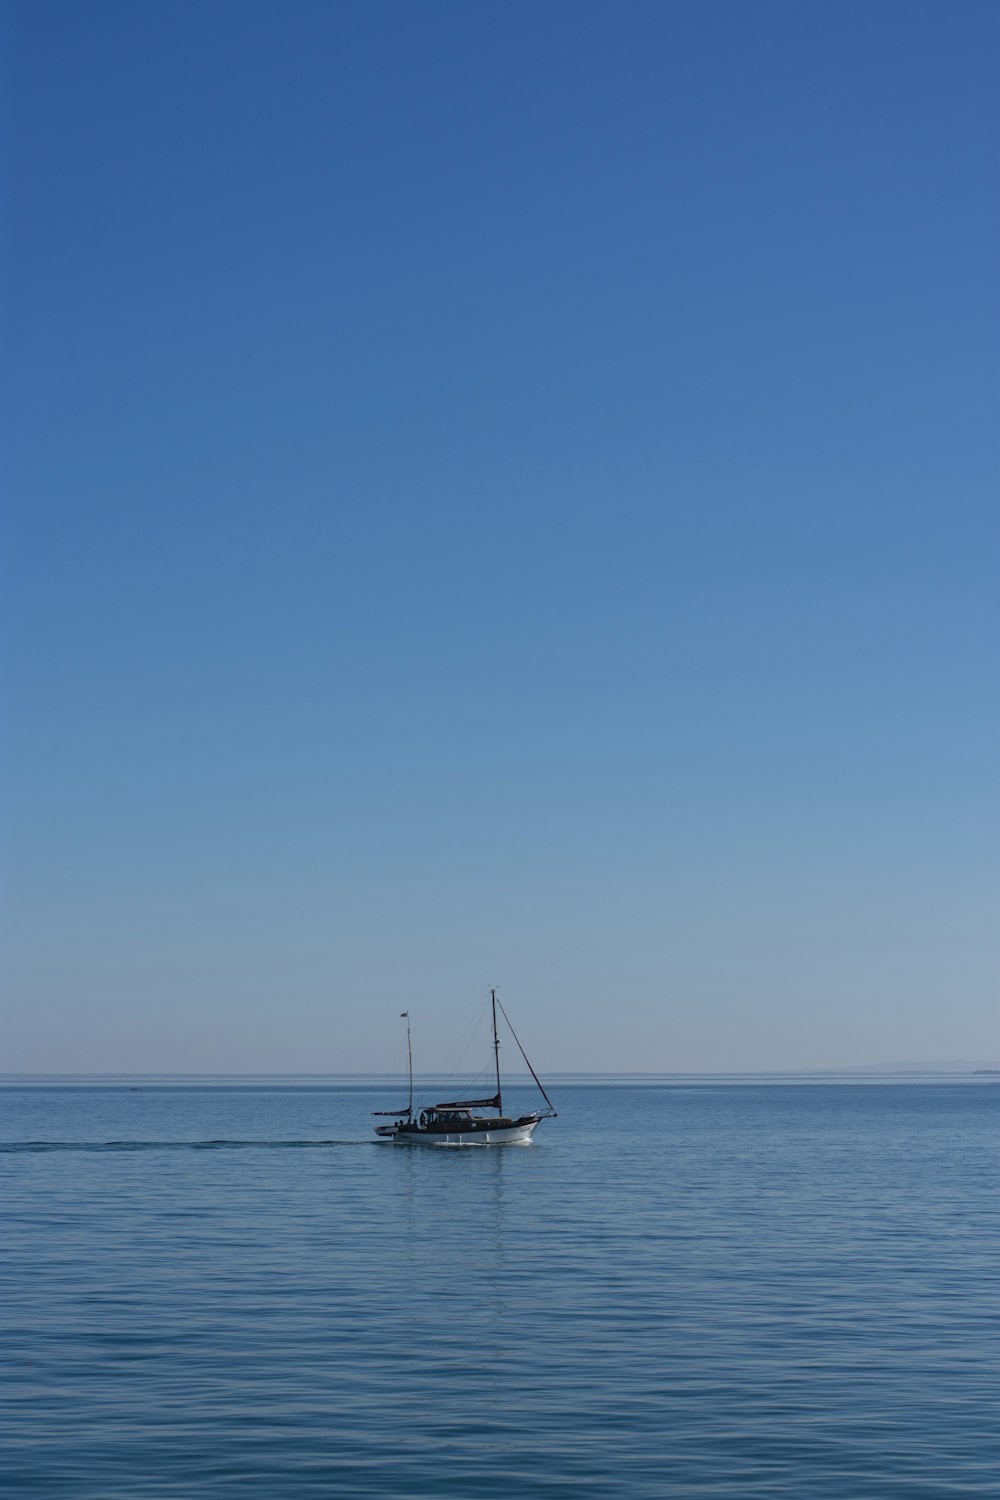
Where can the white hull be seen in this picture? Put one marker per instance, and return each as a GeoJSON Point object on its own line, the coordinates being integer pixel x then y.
{"type": "Point", "coordinates": [511, 1135]}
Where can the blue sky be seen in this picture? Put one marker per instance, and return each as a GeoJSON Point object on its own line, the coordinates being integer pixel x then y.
{"type": "Point", "coordinates": [500, 494]}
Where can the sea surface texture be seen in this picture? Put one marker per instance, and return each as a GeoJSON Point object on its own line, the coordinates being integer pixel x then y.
{"type": "Point", "coordinates": [714, 1289]}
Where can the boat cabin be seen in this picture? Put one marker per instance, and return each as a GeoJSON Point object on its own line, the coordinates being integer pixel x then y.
{"type": "Point", "coordinates": [440, 1115]}
{"type": "Point", "coordinates": [452, 1119]}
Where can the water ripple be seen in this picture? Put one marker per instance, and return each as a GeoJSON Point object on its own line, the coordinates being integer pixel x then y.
{"type": "Point", "coordinates": [728, 1294]}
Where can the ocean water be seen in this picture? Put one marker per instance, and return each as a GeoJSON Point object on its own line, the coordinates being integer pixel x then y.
{"type": "Point", "coordinates": [725, 1289]}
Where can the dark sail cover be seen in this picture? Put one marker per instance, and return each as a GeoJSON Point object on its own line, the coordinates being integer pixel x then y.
{"type": "Point", "coordinates": [493, 1103]}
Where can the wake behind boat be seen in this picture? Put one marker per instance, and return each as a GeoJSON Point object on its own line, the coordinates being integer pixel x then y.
{"type": "Point", "coordinates": [455, 1123]}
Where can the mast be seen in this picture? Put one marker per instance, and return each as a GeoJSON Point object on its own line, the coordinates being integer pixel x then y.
{"type": "Point", "coordinates": [409, 1059]}
{"type": "Point", "coordinates": [404, 1015]}
{"type": "Point", "coordinates": [496, 1050]}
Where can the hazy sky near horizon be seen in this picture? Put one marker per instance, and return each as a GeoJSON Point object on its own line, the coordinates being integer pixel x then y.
{"type": "Point", "coordinates": [500, 494]}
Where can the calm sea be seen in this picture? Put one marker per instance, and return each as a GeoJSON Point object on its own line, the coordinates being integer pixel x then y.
{"type": "Point", "coordinates": [723, 1289]}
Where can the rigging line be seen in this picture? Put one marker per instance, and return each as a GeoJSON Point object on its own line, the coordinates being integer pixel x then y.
{"type": "Point", "coordinates": [525, 1056]}
{"type": "Point", "coordinates": [471, 1028]}
{"type": "Point", "coordinates": [476, 1079]}
{"type": "Point", "coordinates": [441, 1082]}
{"type": "Point", "coordinates": [480, 1075]}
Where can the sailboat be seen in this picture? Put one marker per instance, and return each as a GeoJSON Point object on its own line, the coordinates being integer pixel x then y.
{"type": "Point", "coordinates": [456, 1122]}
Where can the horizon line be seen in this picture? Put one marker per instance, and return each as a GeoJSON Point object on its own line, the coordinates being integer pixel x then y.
{"type": "Point", "coordinates": [888, 1068]}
